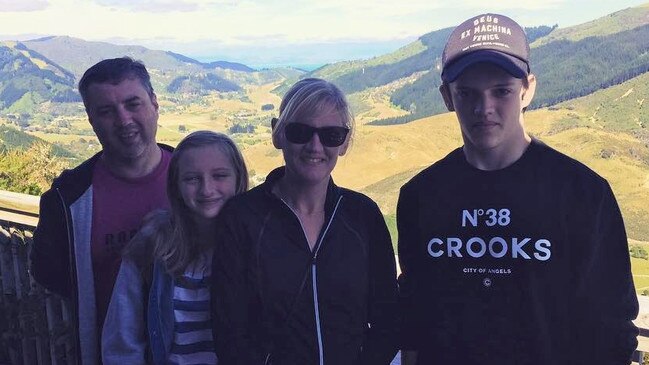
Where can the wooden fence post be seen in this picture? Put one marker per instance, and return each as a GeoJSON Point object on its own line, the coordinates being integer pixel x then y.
{"type": "Point", "coordinates": [9, 340]}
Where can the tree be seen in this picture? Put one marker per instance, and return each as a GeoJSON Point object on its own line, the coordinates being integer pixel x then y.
{"type": "Point", "coordinates": [30, 171]}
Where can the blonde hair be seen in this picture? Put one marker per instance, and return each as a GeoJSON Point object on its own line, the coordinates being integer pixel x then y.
{"type": "Point", "coordinates": [170, 236]}
{"type": "Point", "coordinates": [307, 98]}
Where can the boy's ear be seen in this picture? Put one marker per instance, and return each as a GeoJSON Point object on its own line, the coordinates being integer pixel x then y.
{"type": "Point", "coordinates": [446, 95]}
{"type": "Point", "coordinates": [528, 93]}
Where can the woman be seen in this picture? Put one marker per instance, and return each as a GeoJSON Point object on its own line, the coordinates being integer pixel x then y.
{"type": "Point", "coordinates": [304, 269]}
{"type": "Point", "coordinates": [159, 310]}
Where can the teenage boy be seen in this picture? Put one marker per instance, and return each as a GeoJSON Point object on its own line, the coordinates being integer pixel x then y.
{"type": "Point", "coordinates": [511, 252]}
{"type": "Point", "coordinates": [93, 210]}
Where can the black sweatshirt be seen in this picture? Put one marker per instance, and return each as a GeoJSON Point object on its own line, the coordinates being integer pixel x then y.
{"type": "Point", "coordinates": [524, 265]}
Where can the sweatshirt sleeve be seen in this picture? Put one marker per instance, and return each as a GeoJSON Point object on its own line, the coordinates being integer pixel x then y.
{"type": "Point", "coordinates": [407, 226]}
{"type": "Point", "coordinates": [382, 338]}
{"type": "Point", "coordinates": [50, 253]}
{"type": "Point", "coordinates": [123, 339]}
{"type": "Point", "coordinates": [605, 301]}
{"type": "Point", "coordinates": [234, 303]}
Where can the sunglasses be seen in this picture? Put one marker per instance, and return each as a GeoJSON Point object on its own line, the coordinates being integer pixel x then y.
{"type": "Point", "coordinates": [300, 133]}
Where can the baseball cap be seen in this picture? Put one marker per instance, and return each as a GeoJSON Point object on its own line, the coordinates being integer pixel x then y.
{"type": "Point", "coordinates": [492, 38]}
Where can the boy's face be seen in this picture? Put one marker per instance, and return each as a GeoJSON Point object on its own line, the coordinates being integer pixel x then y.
{"type": "Point", "coordinates": [489, 103]}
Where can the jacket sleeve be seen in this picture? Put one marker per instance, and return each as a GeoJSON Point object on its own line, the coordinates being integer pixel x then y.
{"type": "Point", "coordinates": [407, 226]}
{"type": "Point", "coordinates": [381, 341]}
{"type": "Point", "coordinates": [123, 339]}
{"type": "Point", "coordinates": [50, 253]}
{"type": "Point", "coordinates": [235, 305]}
{"type": "Point", "coordinates": [605, 301]}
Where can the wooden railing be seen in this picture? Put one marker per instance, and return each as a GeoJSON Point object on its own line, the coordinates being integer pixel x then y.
{"type": "Point", "coordinates": [35, 325]}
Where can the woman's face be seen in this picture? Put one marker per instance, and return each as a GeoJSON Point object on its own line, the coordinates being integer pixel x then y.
{"type": "Point", "coordinates": [312, 162]}
{"type": "Point", "coordinates": [206, 180]}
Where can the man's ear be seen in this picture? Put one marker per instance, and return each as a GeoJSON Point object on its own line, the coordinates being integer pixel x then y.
{"type": "Point", "coordinates": [528, 93]}
{"type": "Point", "coordinates": [446, 95]}
{"type": "Point", "coordinates": [154, 101]}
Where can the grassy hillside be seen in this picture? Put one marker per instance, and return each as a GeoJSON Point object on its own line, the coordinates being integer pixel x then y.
{"type": "Point", "coordinates": [620, 108]}
{"type": "Point", "coordinates": [77, 55]}
{"type": "Point", "coordinates": [588, 64]}
{"type": "Point", "coordinates": [13, 139]}
{"type": "Point", "coordinates": [339, 69]}
{"type": "Point", "coordinates": [382, 158]}
{"type": "Point", "coordinates": [617, 22]}
{"type": "Point", "coordinates": [170, 71]}
{"type": "Point", "coordinates": [27, 81]}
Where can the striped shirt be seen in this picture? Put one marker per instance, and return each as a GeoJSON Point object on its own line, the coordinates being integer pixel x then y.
{"type": "Point", "coordinates": [193, 341]}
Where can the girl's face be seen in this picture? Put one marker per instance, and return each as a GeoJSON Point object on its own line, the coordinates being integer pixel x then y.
{"type": "Point", "coordinates": [207, 180]}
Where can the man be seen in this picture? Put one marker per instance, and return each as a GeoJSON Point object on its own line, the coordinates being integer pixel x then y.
{"type": "Point", "coordinates": [90, 212]}
{"type": "Point", "coordinates": [511, 252]}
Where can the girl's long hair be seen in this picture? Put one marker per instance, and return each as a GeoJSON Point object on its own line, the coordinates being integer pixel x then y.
{"type": "Point", "coordinates": [170, 236]}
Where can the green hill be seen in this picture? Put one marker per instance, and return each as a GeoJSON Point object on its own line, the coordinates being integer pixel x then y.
{"type": "Point", "coordinates": [566, 69]}
{"type": "Point", "coordinates": [617, 22]}
{"type": "Point", "coordinates": [27, 80]}
{"type": "Point", "coordinates": [171, 72]}
{"type": "Point", "coordinates": [618, 109]}
{"type": "Point", "coordinates": [570, 62]}
{"type": "Point", "coordinates": [606, 130]}
{"type": "Point", "coordinates": [569, 69]}
{"type": "Point", "coordinates": [14, 139]}
{"type": "Point", "coordinates": [201, 84]}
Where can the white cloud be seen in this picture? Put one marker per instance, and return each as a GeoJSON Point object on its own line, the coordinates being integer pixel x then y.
{"type": "Point", "coordinates": [22, 6]}
{"type": "Point", "coordinates": [232, 23]}
{"type": "Point", "coordinates": [513, 4]}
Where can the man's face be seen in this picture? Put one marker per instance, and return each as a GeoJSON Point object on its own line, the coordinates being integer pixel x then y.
{"type": "Point", "coordinates": [125, 119]}
{"type": "Point", "coordinates": [489, 103]}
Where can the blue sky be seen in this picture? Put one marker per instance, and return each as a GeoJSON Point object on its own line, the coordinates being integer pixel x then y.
{"type": "Point", "coordinates": [267, 32]}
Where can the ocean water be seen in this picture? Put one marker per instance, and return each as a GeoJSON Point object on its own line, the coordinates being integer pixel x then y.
{"type": "Point", "coordinates": [301, 66]}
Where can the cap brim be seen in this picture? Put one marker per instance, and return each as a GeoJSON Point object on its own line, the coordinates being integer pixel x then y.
{"type": "Point", "coordinates": [513, 65]}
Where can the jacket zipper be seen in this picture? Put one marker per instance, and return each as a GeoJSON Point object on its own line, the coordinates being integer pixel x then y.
{"type": "Point", "coordinates": [314, 285]}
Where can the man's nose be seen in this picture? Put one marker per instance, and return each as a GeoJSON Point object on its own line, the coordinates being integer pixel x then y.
{"type": "Point", "coordinates": [124, 117]}
{"type": "Point", "coordinates": [483, 105]}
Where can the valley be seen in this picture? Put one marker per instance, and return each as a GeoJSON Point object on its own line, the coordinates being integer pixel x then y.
{"type": "Point", "coordinates": [601, 122]}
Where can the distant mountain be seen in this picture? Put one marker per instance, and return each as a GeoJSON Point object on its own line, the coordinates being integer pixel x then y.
{"type": "Point", "coordinates": [77, 55]}
{"type": "Point", "coordinates": [216, 64]}
{"type": "Point", "coordinates": [27, 79]}
{"type": "Point", "coordinates": [228, 66]}
{"type": "Point", "coordinates": [617, 22]}
{"type": "Point", "coordinates": [201, 84]}
{"type": "Point", "coordinates": [48, 69]}
{"type": "Point", "coordinates": [569, 62]}
{"type": "Point", "coordinates": [569, 69]}
{"type": "Point", "coordinates": [421, 97]}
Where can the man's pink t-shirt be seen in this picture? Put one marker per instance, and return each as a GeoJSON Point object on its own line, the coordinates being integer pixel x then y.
{"type": "Point", "coordinates": [118, 207]}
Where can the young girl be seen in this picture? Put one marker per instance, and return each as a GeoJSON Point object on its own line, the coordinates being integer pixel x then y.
{"type": "Point", "coordinates": [159, 310]}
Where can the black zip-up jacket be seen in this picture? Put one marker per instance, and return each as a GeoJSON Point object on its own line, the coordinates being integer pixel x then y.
{"type": "Point", "coordinates": [65, 222]}
{"type": "Point", "coordinates": [346, 312]}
